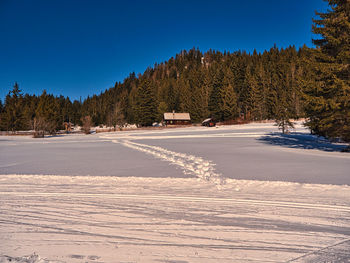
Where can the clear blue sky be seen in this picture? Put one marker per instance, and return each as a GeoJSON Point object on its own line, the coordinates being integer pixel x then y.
{"type": "Point", "coordinates": [82, 47]}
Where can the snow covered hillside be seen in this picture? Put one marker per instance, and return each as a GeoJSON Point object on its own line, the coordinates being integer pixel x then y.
{"type": "Point", "coordinates": [228, 194]}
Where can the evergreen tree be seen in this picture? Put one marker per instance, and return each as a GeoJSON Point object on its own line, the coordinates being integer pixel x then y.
{"type": "Point", "coordinates": [259, 98]}
{"type": "Point", "coordinates": [162, 107]}
{"type": "Point", "coordinates": [197, 105]}
{"type": "Point", "coordinates": [146, 110]}
{"type": "Point", "coordinates": [76, 112]}
{"type": "Point", "coordinates": [28, 110]}
{"type": "Point", "coordinates": [12, 116]}
{"type": "Point", "coordinates": [254, 98]}
{"type": "Point", "coordinates": [173, 98]}
{"type": "Point", "coordinates": [283, 116]}
{"type": "Point", "coordinates": [328, 97]}
{"type": "Point", "coordinates": [223, 99]}
{"type": "Point", "coordinates": [215, 96]}
{"type": "Point", "coordinates": [185, 96]}
{"type": "Point", "coordinates": [47, 118]}
{"type": "Point", "coordinates": [228, 103]}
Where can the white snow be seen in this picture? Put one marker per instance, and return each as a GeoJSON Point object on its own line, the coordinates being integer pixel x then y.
{"type": "Point", "coordinates": [190, 164]}
{"type": "Point", "coordinates": [188, 208]}
{"type": "Point", "coordinates": [112, 219]}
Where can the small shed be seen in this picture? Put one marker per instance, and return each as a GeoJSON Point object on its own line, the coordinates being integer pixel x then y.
{"type": "Point", "coordinates": [209, 122]}
{"type": "Point", "coordinates": [68, 126]}
{"type": "Point", "coordinates": [172, 118]}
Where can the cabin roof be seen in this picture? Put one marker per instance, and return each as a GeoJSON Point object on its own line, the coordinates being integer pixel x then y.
{"type": "Point", "coordinates": [177, 116]}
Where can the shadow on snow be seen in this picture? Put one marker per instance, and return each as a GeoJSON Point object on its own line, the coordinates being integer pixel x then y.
{"type": "Point", "coordinates": [301, 141]}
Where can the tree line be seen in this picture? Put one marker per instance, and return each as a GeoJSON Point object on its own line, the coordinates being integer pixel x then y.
{"type": "Point", "coordinates": [44, 113]}
{"type": "Point", "coordinates": [279, 84]}
{"type": "Point", "coordinates": [224, 86]}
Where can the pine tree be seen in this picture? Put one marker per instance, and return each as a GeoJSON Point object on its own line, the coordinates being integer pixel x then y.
{"type": "Point", "coordinates": [162, 107]}
{"type": "Point", "coordinates": [328, 97]}
{"type": "Point", "coordinates": [47, 118]}
{"type": "Point", "coordinates": [173, 97]}
{"type": "Point", "coordinates": [228, 103]}
{"type": "Point", "coordinates": [146, 110]}
{"type": "Point", "coordinates": [283, 116]}
{"type": "Point", "coordinates": [28, 110]}
{"type": "Point", "coordinates": [12, 117]}
{"type": "Point", "coordinates": [185, 96]}
{"type": "Point", "coordinates": [260, 98]}
{"type": "Point", "coordinates": [283, 110]}
{"type": "Point", "coordinates": [254, 95]}
{"type": "Point", "coordinates": [215, 96]}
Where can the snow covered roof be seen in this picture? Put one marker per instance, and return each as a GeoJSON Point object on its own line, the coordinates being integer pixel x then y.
{"type": "Point", "coordinates": [206, 120]}
{"type": "Point", "coordinates": [177, 116]}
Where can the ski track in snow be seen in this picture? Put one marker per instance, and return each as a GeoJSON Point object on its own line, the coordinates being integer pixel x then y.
{"type": "Point", "coordinates": [131, 219]}
{"type": "Point", "coordinates": [110, 219]}
{"type": "Point", "coordinates": [249, 202]}
{"type": "Point", "coordinates": [190, 164]}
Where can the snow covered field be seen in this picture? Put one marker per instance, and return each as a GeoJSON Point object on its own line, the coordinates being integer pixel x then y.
{"type": "Point", "coordinates": [229, 194]}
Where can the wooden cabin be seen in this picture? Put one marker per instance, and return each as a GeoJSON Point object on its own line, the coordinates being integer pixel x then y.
{"type": "Point", "coordinates": [172, 118]}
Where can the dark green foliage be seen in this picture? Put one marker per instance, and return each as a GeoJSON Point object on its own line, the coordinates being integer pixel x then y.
{"type": "Point", "coordinates": [44, 114]}
{"type": "Point", "coordinates": [212, 84]}
{"type": "Point", "coordinates": [215, 96]}
{"type": "Point", "coordinates": [146, 106]}
{"type": "Point", "coordinates": [228, 103]}
{"type": "Point", "coordinates": [12, 116]}
{"type": "Point", "coordinates": [162, 107]}
{"type": "Point", "coordinates": [47, 117]}
{"type": "Point", "coordinates": [328, 92]}
{"type": "Point", "coordinates": [283, 117]}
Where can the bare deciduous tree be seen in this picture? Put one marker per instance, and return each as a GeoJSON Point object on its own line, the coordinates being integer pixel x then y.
{"type": "Point", "coordinates": [86, 124]}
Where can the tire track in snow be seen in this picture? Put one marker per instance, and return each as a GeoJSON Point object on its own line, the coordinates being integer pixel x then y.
{"type": "Point", "coordinates": [190, 164]}
{"type": "Point", "coordinates": [196, 199]}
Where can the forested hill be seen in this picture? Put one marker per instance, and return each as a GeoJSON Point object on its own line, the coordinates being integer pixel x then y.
{"type": "Point", "coordinates": [211, 84]}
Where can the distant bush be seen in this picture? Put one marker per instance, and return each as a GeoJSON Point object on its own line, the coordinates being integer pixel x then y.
{"type": "Point", "coordinates": [42, 125]}
{"type": "Point", "coordinates": [38, 135]}
{"type": "Point", "coordinates": [87, 122]}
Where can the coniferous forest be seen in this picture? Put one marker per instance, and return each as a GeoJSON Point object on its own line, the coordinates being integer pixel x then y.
{"type": "Point", "coordinates": [278, 84]}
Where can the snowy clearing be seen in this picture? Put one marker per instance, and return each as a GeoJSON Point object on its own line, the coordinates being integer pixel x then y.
{"type": "Point", "coordinates": [228, 194]}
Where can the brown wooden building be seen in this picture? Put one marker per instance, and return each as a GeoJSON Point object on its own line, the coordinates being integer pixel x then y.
{"type": "Point", "coordinates": [172, 118]}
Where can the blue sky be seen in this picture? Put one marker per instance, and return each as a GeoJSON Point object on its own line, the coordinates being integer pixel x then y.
{"type": "Point", "coordinates": [80, 48]}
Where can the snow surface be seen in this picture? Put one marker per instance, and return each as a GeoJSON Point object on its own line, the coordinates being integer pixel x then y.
{"type": "Point", "coordinates": [228, 194]}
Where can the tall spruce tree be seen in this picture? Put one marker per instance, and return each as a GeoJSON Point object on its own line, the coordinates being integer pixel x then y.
{"type": "Point", "coordinates": [12, 117]}
{"type": "Point", "coordinates": [146, 108]}
{"type": "Point", "coordinates": [228, 103]}
{"type": "Point", "coordinates": [215, 95]}
{"type": "Point", "coordinates": [328, 97]}
{"type": "Point", "coordinates": [47, 118]}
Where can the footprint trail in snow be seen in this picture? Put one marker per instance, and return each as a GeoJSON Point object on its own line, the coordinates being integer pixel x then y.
{"type": "Point", "coordinates": [190, 164]}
